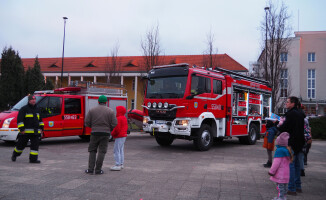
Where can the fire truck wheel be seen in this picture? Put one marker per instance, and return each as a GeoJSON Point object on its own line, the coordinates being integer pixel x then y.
{"type": "Point", "coordinates": [165, 140]}
{"type": "Point", "coordinates": [252, 136]}
{"type": "Point", "coordinates": [204, 138]}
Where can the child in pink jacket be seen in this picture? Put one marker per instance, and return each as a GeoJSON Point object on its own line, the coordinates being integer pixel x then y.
{"type": "Point", "coordinates": [280, 170]}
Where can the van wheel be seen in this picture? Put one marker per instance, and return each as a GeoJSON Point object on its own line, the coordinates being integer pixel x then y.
{"type": "Point", "coordinates": [251, 138]}
{"type": "Point", "coordinates": [164, 140]}
{"type": "Point", "coordinates": [204, 139]}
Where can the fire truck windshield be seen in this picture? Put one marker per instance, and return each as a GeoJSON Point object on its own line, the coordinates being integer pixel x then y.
{"type": "Point", "coordinates": [24, 102]}
{"type": "Point", "coordinates": [166, 87]}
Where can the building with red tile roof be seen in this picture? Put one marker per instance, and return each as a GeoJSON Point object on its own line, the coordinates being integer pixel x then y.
{"type": "Point", "coordinates": [127, 71]}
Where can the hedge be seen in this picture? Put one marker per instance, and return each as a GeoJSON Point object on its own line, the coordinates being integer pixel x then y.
{"type": "Point", "coordinates": [318, 127]}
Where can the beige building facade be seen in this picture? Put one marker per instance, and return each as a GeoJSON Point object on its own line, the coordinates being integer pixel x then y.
{"type": "Point", "coordinates": [128, 71]}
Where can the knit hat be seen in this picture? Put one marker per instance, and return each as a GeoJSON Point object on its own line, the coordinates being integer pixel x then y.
{"type": "Point", "coordinates": [30, 97]}
{"type": "Point", "coordinates": [282, 139]}
{"type": "Point", "coordinates": [102, 99]}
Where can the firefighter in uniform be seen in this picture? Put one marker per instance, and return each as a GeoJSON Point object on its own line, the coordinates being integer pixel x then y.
{"type": "Point", "coordinates": [30, 127]}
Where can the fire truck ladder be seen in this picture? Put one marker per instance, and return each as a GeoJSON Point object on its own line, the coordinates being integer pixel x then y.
{"type": "Point", "coordinates": [241, 76]}
{"type": "Point", "coordinates": [102, 88]}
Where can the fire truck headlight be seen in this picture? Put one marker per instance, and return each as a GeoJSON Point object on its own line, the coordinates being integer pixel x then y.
{"type": "Point", "coordinates": [166, 105]}
{"type": "Point", "coordinates": [160, 105]}
{"type": "Point", "coordinates": [149, 104]}
{"type": "Point", "coordinates": [154, 105]}
{"type": "Point", "coordinates": [145, 120]}
{"type": "Point", "coordinates": [6, 123]}
{"type": "Point", "coordinates": [182, 122]}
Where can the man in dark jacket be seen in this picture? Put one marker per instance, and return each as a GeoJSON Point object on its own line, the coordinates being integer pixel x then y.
{"type": "Point", "coordinates": [30, 127]}
{"type": "Point", "coordinates": [294, 125]}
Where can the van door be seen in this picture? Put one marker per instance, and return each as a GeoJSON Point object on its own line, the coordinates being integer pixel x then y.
{"type": "Point", "coordinates": [73, 119]}
{"type": "Point", "coordinates": [50, 111]}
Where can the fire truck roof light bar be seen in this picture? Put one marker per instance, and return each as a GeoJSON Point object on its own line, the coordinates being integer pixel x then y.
{"type": "Point", "coordinates": [218, 69]}
{"type": "Point", "coordinates": [44, 92]}
{"type": "Point", "coordinates": [172, 65]}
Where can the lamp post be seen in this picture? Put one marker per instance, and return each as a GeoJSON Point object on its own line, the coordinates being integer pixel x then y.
{"type": "Point", "coordinates": [266, 10]}
{"type": "Point", "coordinates": [63, 50]}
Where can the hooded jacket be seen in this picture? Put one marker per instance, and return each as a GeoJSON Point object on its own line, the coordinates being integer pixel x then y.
{"type": "Point", "coordinates": [121, 129]}
{"type": "Point", "coordinates": [280, 170]}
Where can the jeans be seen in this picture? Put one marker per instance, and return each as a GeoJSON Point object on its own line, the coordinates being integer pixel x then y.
{"type": "Point", "coordinates": [119, 150]}
{"type": "Point", "coordinates": [281, 188]}
{"type": "Point", "coordinates": [295, 172]}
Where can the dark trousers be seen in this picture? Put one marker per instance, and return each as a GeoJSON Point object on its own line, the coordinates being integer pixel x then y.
{"type": "Point", "coordinates": [305, 152]}
{"type": "Point", "coordinates": [100, 144]}
{"type": "Point", "coordinates": [22, 142]}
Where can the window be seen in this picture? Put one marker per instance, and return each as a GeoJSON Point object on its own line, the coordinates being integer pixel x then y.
{"type": "Point", "coordinates": [72, 106]}
{"type": "Point", "coordinates": [132, 103]}
{"type": "Point", "coordinates": [200, 85]}
{"type": "Point", "coordinates": [217, 87]}
{"type": "Point", "coordinates": [50, 106]}
{"type": "Point", "coordinates": [284, 57]}
{"type": "Point", "coordinates": [133, 85]}
{"type": "Point", "coordinates": [311, 57]}
{"type": "Point", "coordinates": [284, 83]}
{"type": "Point", "coordinates": [311, 84]}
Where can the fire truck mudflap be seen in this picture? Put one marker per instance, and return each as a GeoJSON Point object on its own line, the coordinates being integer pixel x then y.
{"type": "Point", "coordinates": [204, 105]}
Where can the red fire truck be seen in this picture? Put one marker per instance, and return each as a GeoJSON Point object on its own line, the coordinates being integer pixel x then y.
{"type": "Point", "coordinates": [198, 104]}
{"type": "Point", "coordinates": [63, 110]}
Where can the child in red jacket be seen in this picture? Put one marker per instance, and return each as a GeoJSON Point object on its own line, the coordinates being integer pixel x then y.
{"type": "Point", "coordinates": [119, 133]}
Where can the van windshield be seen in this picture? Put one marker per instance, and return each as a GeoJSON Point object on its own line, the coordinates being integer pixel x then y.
{"type": "Point", "coordinates": [24, 102]}
{"type": "Point", "coordinates": [166, 87]}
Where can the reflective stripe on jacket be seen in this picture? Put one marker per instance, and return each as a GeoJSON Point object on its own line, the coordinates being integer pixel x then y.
{"type": "Point", "coordinates": [29, 119]}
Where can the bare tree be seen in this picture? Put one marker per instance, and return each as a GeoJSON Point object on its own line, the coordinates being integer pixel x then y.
{"type": "Point", "coordinates": [151, 48]}
{"type": "Point", "coordinates": [210, 55]}
{"type": "Point", "coordinates": [113, 64]}
{"type": "Point", "coordinates": [278, 30]}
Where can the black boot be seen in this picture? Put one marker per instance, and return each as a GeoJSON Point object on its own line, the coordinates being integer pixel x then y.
{"type": "Point", "coordinates": [268, 164]}
{"type": "Point", "coordinates": [13, 157]}
{"type": "Point", "coordinates": [303, 173]}
{"type": "Point", "coordinates": [35, 161]}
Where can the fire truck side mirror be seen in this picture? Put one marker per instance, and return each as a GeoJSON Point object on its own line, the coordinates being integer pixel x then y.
{"type": "Point", "coordinates": [190, 97]}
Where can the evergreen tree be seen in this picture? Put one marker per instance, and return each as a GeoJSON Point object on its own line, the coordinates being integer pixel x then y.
{"type": "Point", "coordinates": [34, 78]}
{"type": "Point", "coordinates": [49, 85]}
{"type": "Point", "coordinates": [12, 78]}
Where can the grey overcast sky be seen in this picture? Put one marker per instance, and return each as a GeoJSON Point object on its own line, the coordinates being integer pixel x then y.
{"type": "Point", "coordinates": [35, 27]}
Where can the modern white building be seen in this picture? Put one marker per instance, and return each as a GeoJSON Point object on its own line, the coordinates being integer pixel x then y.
{"type": "Point", "coordinates": [304, 75]}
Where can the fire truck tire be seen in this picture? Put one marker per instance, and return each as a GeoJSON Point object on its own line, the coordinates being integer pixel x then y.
{"type": "Point", "coordinates": [251, 138]}
{"type": "Point", "coordinates": [165, 140]}
{"type": "Point", "coordinates": [204, 139]}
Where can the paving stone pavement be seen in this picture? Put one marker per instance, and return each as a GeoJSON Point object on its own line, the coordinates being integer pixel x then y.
{"type": "Point", "coordinates": [229, 170]}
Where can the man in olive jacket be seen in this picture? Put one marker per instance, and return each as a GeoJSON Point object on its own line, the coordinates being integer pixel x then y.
{"type": "Point", "coordinates": [294, 125]}
{"type": "Point", "coordinates": [102, 120]}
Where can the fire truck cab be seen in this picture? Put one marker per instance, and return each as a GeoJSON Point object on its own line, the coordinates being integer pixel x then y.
{"type": "Point", "coordinates": [63, 110]}
{"type": "Point", "coordinates": [202, 105]}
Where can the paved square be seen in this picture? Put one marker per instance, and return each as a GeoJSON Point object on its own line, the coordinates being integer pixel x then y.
{"type": "Point", "coordinates": [229, 170]}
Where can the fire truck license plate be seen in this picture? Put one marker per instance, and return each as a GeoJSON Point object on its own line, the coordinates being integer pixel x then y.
{"type": "Point", "coordinates": [160, 122]}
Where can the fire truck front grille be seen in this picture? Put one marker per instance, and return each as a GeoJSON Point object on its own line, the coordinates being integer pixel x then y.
{"type": "Point", "coordinates": [162, 114]}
